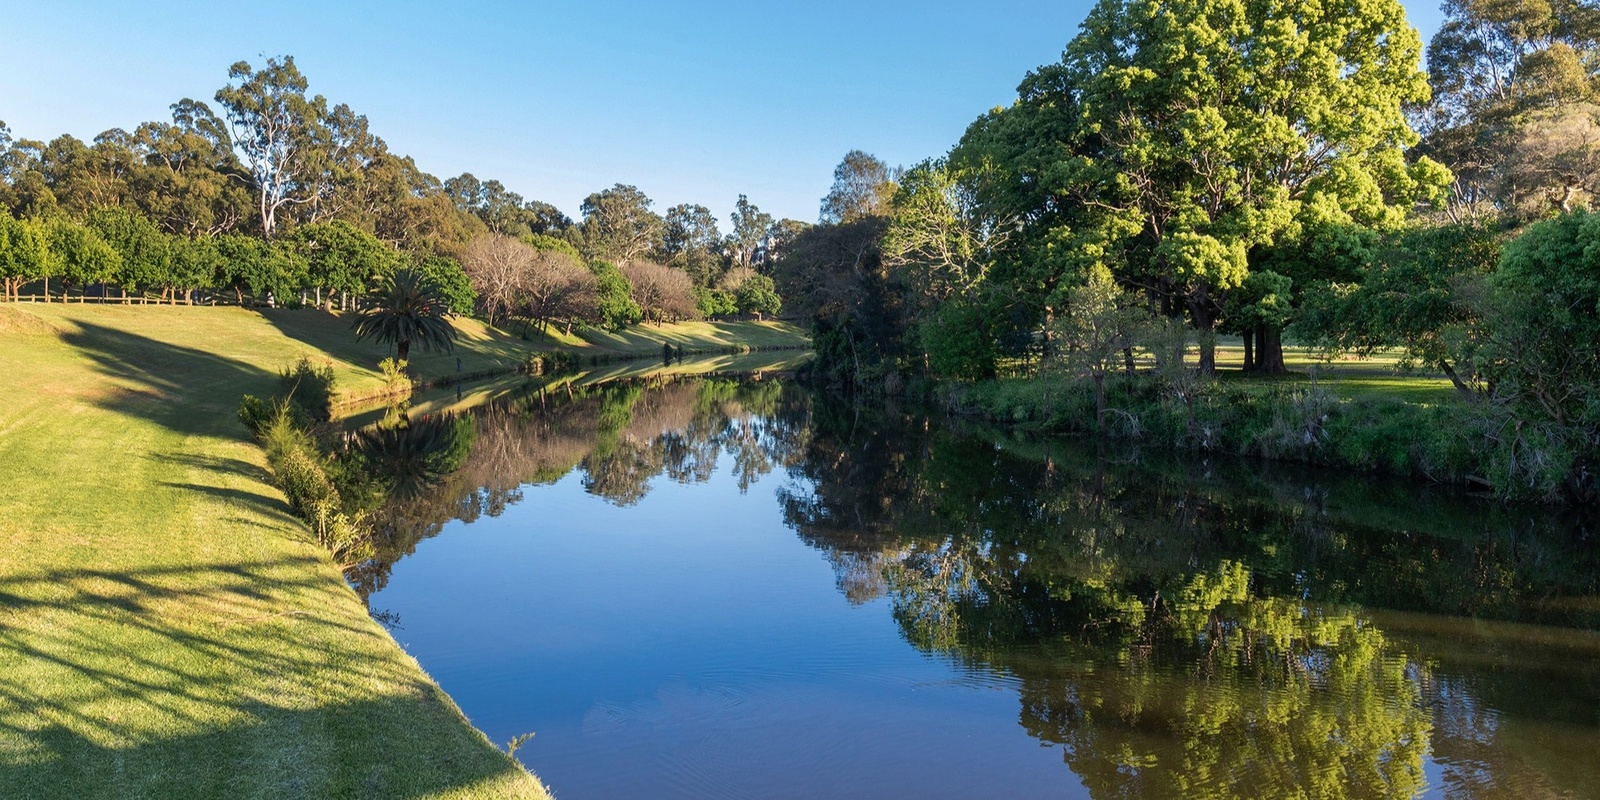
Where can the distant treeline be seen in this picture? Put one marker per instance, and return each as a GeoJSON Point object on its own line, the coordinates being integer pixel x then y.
{"type": "Point", "coordinates": [275, 196]}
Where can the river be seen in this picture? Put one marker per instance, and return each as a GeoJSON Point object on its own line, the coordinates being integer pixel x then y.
{"type": "Point", "coordinates": [716, 588]}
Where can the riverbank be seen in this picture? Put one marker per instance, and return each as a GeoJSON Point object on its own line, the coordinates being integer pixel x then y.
{"type": "Point", "coordinates": [167, 628]}
{"type": "Point", "coordinates": [1356, 415]}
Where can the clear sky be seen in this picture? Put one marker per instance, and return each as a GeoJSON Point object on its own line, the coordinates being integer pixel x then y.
{"type": "Point", "coordinates": [690, 101]}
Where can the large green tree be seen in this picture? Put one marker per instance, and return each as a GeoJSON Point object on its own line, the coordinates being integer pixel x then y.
{"type": "Point", "coordinates": [24, 253]}
{"type": "Point", "coordinates": [618, 225]}
{"type": "Point", "coordinates": [144, 252]}
{"type": "Point", "coordinates": [80, 256]}
{"type": "Point", "coordinates": [1504, 76]}
{"type": "Point", "coordinates": [342, 258]}
{"type": "Point", "coordinates": [1175, 139]}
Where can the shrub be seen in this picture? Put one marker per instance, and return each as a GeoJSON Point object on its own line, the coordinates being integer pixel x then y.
{"type": "Point", "coordinates": [309, 385]}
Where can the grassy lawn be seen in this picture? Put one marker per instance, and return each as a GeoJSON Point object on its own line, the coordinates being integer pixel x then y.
{"type": "Point", "coordinates": [1348, 377]}
{"type": "Point", "coordinates": [167, 629]}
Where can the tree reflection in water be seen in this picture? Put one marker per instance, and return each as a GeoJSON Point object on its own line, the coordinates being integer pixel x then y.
{"type": "Point", "coordinates": [1184, 629]}
{"type": "Point", "coordinates": [1177, 628]}
{"type": "Point", "coordinates": [619, 436]}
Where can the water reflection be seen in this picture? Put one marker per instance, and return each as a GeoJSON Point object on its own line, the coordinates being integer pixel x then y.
{"type": "Point", "coordinates": [1174, 628]}
{"type": "Point", "coordinates": [619, 435]}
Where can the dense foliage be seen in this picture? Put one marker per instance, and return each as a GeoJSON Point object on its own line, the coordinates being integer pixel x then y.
{"type": "Point", "coordinates": [1268, 170]}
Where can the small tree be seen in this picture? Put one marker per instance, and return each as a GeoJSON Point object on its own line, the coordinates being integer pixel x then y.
{"type": "Point", "coordinates": [614, 307]}
{"type": "Point", "coordinates": [450, 280]}
{"type": "Point", "coordinates": [1542, 318]}
{"type": "Point", "coordinates": [23, 253]}
{"type": "Point", "coordinates": [404, 308]}
{"type": "Point", "coordinates": [1096, 330]}
{"type": "Point", "coordinates": [498, 266]}
{"type": "Point", "coordinates": [79, 255]}
{"type": "Point", "coordinates": [662, 293]}
{"type": "Point", "coordinates": [758, 296]}
{"type": "Point", "coordinates": [145, 252]}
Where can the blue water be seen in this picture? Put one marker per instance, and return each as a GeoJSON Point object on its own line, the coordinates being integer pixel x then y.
{"type": "Point", "coordinates": [692, 646]}
{"type": "Point", "coordinates": [892, 609]}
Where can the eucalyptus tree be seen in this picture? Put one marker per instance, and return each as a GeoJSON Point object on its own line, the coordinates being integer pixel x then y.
{"type": "Point", "coordinates": [750, 229]}
{"type": "Point", "coordinates": [862, 187]}
{"type": "Point", "coordinates": [781, 235]}
{"type": "Point", "coordinates": [691, 242]}
{"type": "Point", "coordinates": [275, 126]}
{"type": "Point", "coordinates": [1494, 67]}
{"type": "Point", "coordinates": [190, 184]}
{"type": "Point", "coordinates": [502, 210]}
{"type": "Point", "coordinates": [618, 225]}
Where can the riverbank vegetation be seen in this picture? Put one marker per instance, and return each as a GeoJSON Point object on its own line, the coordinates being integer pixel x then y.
{"type": "Point", "coordinates": [1272, 172]}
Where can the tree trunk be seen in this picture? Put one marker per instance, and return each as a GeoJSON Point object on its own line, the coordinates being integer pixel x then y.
{"type": "Point", "coordinates": [1249, 351]}
{"type": "Point", "coordinates": [1127, 359]}
{"type": "Point", "coordinates": [1205, 323]}
{"type": "Point", "coordinates": [1099, 399]}
{"type": "Point", "coordinates": [1461, 385]}
{"type": "Point", "coordinates": [403, 349]}
{"type": "Point", "coordinates": [47, 288]}
{"type": "Point", "coordinates": [1269, 359]}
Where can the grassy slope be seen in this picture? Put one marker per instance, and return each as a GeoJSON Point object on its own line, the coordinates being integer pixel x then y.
{"type": "Point", "coordinates": [166, 627]}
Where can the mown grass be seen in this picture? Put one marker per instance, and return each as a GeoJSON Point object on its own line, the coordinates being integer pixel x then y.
{"type": "Point", "coordinates": [167, 628]}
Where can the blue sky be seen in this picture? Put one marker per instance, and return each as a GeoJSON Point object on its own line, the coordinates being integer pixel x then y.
{"type": "Point", "coordinates": [691, 102]}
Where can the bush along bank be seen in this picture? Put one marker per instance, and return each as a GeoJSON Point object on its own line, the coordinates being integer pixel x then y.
{"type": "Point", "coordinates": [291, 428]}
{"type": "Point", "coordinates": [1481, 444]}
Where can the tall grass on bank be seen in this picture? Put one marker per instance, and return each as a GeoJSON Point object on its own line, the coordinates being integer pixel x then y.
{"type": "Point", "coordinates": [287, 428]}
{"type": "Point", "coordinates": [1480, 444]}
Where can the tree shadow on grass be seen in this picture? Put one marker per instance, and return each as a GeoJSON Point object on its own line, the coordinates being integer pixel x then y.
{"type": "Point", "coordinates": [181, 388]}
{"type": "Point", "coordinates": [326, 333]}
{"type": "Point", "coordinates": [220, 679]}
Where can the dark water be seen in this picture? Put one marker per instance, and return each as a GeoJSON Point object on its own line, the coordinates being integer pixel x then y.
{"type": "Point", "coordinates": [710, 588]}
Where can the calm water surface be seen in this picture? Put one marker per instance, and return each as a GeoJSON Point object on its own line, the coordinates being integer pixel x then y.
{"type": "Point", "coordinates": [715, 589]}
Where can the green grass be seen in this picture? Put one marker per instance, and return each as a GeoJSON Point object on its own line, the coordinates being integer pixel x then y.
{"type": "Point", "coordinates": [167, 628]}
{"type": "Point", "coordinates": [1348, 377]}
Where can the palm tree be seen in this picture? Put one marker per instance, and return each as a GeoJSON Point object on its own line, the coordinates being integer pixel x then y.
{"type": "Point", "coordinates": [406, 308]}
